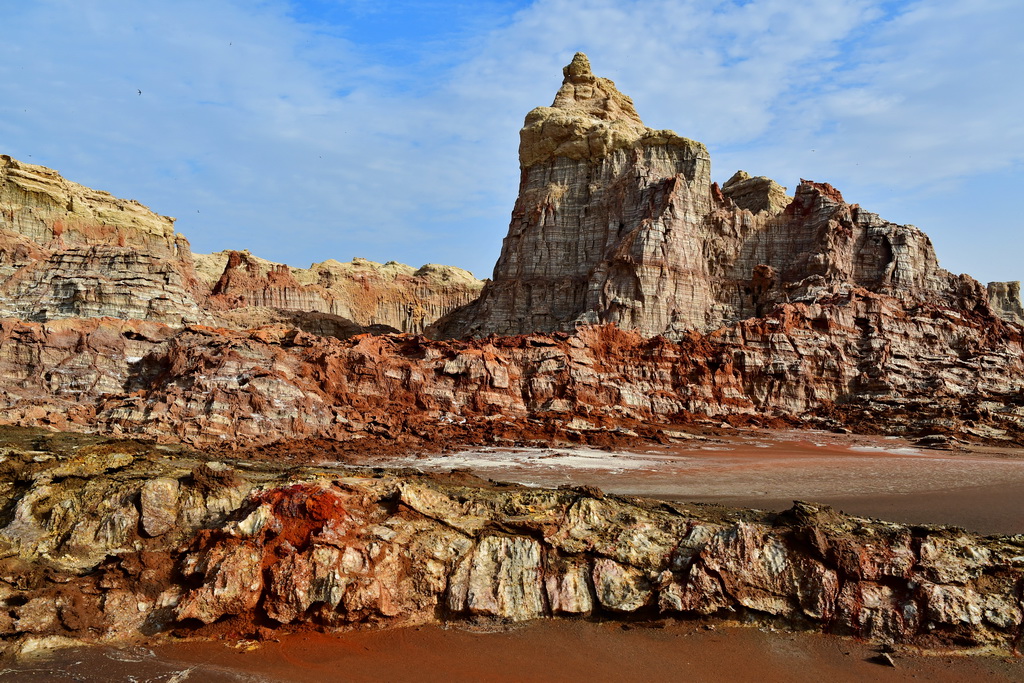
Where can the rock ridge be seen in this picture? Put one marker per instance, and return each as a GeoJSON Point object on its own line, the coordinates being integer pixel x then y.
{"type": "Point", "coordinates": [861, 360]}
{"type": "Point", "coordinates": [113, 542]}
{"type": "Point", "coordinates": [390, 296]}
{"type": "Point", "coordinates": [67, 251]}
{"type": "Point", "coordinates": [616, 223]}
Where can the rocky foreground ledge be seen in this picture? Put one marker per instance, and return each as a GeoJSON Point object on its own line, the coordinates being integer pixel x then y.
{"type": "Point", "coordinates": [121, 540]}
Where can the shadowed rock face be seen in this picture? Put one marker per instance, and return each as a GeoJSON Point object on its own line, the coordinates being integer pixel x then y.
{"type": "Point", "coordinates": [110, 542]}
{"type": "Point", "coordinates": [618, 223]}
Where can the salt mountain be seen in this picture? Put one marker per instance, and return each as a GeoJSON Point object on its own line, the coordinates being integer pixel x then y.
{"type": "Point", "coordinates": [806, 309]}
{"type": "Point", "coordinates": [736, 302]}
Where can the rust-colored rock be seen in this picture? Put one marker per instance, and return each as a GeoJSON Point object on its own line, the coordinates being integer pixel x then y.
{"type": "Point", "coordinates": [334, 548]}
{"type": "Point", "coordinates": [859, 359]}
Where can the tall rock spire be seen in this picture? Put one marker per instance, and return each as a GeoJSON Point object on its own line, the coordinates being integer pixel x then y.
{"type": "Point", "coordinates": [619, 223]}
{"type": "Point", "coordinates": [588, 119]}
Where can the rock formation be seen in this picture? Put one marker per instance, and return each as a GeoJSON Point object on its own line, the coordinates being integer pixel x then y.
{"type": "Point", "coordinates": [109, 542]}
{"type": "Point", "coordinates": [737, 304]}
{"type": "Point", "coordinates": [391, 295]}
{"type": "Point", "coordinates": [67, 251]}
{"type": "Point", "coordinates": [802, 308]}
{"type": "Point", "coordinates": [863, 358]}
{"type": "Point", "coordinates": [618, 223]}
{"type": "Point", "coordinates": [1004, 298]}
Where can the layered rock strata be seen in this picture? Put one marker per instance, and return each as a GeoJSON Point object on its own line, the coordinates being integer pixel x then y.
{"type": "Point", "coordinates": [618, 223]}
{"type": "Point", "coordinates": [113, 542]}
{"type": "Point", "coordinates": [391, 295]}
{"type": "Point", "coordinates": [68, 251]}
{"type": "Point", "coordinates": [860, 358]}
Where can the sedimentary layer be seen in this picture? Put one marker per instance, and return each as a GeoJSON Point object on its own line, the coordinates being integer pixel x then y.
{"type": "Point", "coordinates": [860, 359]}
{"type": "Point", "coordinates": [618, 223]}
{"type": "Point", "coordinates": [69, 251]}
{"type": "Point", "coordinates": [107, 541]}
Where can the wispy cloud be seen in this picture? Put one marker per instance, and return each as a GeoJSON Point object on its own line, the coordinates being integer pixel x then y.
{"type": "Point", "coordinates": [337, 128]}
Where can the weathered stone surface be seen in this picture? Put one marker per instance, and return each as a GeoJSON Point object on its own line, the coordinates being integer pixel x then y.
{"type": "Point", "coordinates": [233, 582]}
{"type": "Point", "coordinates": [1004, 298]}
{"type": "Point", "coordinates": [158, 505]}
{"type": "Point", "coordinates": [616, 223]}
{"type": "Point", "coordinates": [502, 577]}
{"type": "Point", "coordinates": [389, 295]}
{"type": "Point", "coordinates": [329, 547]}
{"type": "Point", "coordinates": [756, 195]}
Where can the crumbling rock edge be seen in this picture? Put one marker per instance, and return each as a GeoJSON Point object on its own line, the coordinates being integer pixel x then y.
{"type": "Point", "coordinates": [106, 541]}
{"type": "Point", "coordinates": [928, 371]}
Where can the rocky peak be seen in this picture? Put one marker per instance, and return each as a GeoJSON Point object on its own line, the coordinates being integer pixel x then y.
{"type": "Point", "coordinates": [585, 93]}
{"type": "Point", "coordinates": [588, 119]}
{"type": "Point", "coordinates": [618, 223]}
{"type": "Point", "coordinates": [756, 194]}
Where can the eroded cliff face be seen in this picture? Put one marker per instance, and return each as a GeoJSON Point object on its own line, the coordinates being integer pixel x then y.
{"type": "Point", "coordinates": [390, 295]}
{"type": "Point", "coordinates": [111, 542]}
{"type": "Point", "coordinates": [1004, 298]}
{"type": "Point", "coordinates": [860, 359]}
{"type": "Point", "coordinates": [70, 251]}
{"type": "Point", "coordinates": [67, 251]}
{"type": "Point", "coordinates": [618, 223]}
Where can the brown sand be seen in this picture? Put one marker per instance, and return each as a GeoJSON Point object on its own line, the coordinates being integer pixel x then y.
{"type": "Point", "coordinates": [540, 651]}
{"type": "Point", "coordinates": [978, 489]}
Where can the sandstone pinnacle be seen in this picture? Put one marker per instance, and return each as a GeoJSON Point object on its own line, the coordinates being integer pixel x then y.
{"type": "Point", "coordinates": [578, 70]}
{"type": "Point", "coordinates": [618, 223]}
{"type": "Point", "coordinates": [588, 119]}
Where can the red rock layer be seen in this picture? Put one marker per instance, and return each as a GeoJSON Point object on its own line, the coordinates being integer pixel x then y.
{"type": "Point", "coordinates": [857, 357]}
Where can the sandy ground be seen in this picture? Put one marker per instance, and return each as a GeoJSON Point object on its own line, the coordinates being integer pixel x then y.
{"type": "Point", "coordinates": [539, 651]}
{"type": "Point", "coordinates": [980, 489]}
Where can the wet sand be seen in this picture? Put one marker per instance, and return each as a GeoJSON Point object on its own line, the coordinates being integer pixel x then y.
{"type": "Point", "coordinates": [540, 651]}
{"type": "Point", "coordinates": [981, 489]}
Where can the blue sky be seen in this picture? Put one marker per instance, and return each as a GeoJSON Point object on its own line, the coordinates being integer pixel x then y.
{"type": "Point", "coordinates": [388, 130]}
